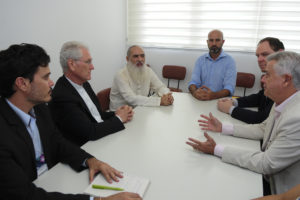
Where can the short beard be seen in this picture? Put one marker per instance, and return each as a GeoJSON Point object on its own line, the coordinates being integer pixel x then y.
{"type": "Point", "coordinates": [137, 74]}
{"type": "Point", "coordinates": [214, 50]}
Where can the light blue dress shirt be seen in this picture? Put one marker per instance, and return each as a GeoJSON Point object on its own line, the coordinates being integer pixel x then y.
{"type": "Point", "coordinates": [216, 74]}
{"type": "Point", "coordinates": [29, 121]}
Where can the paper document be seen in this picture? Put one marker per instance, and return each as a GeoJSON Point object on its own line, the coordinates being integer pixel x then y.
{"type": "Point", "coordinates": [129, 183]}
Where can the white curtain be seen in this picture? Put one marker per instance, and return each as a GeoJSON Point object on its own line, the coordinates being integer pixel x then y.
{"type": "Point", "coordinates": [186, 23]}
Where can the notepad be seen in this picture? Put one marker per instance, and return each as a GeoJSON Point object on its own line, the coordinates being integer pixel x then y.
{"type": "Point", "coordinates": [129, 183]}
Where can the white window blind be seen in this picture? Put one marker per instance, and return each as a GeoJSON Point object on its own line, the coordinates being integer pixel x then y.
{"type": "Point", "coordinates": [186, 23]}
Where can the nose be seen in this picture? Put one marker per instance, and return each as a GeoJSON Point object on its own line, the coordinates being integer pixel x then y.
{"type": "Point", "coordinates": [92, 66]}
{"type": "Point", "coordinates": [51, 83]}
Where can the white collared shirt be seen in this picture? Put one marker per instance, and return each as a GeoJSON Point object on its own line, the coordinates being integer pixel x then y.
{"type": "Point", "coordinates": [87, 100]}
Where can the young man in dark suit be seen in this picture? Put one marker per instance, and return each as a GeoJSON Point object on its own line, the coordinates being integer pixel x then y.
{"type": "Point", "coordinates": [29, 141]}
{"type": "Point", "coordinates": [75, 107]}
{"type": "Point", "coordinates": [236, 107]}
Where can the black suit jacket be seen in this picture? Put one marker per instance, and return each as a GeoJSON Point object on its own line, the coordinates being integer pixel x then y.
{"type": "Point", "coordinates": [17, 155]}
{"type": "Point", "coordinates": [73, 117]}
{"type": "Point", "coordinates": [259, 100]}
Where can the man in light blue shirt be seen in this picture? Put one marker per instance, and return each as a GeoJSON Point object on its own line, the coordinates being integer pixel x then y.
{"type": "Point", "coordinates": [214, 75]}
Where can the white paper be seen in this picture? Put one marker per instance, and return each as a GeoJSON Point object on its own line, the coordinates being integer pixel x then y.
{"type": "Point", "coordinates": [129, 183]}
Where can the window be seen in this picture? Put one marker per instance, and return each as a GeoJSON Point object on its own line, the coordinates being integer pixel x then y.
{"type": "Point", "coordinates": [186, 23]}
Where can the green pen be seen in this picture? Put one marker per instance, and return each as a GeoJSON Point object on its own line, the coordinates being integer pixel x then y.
{"type": "Point", "coordinates": [106, 187]}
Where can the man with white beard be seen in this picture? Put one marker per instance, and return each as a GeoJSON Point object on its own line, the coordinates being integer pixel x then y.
{"type": "Point", "coordinates": [132, 84]}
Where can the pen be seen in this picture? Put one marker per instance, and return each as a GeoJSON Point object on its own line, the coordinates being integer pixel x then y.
{"type": "Point", "coordinates": [106, 187]}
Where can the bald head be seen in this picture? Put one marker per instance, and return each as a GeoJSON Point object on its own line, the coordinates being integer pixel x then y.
{"type": "Point", "coordinates": [216, 32]}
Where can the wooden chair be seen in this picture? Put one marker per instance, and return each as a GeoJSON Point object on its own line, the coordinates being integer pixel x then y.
{"type": "Point", "coordinates": [174, 72]}
{"type": "Point", "coordinates": [245, 80]}
{"type": "Point", "coordinates": [103, 98]}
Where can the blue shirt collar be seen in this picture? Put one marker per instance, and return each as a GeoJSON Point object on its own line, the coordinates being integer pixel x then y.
{"type": "Point", "coordinates": [24, 116]}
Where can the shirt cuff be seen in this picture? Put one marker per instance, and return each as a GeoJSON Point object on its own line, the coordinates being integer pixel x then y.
{"type": "Point", "coordinates": [218, 151]}
{"type": "Point", "coordinates": [227, 129]}
{"type": "Point", "coordinates": [231, 109]}
{"type": "Point", "coordinates": [119, 118]}
{"type": "Point", "coordinates": [235, 102]}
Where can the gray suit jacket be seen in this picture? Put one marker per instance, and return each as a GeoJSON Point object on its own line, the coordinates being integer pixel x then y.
{"type": "Point", "coordinates": [280, 156]}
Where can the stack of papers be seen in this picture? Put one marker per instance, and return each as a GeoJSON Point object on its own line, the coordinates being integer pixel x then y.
{"type": "Point", "coordinates": [129, 183]}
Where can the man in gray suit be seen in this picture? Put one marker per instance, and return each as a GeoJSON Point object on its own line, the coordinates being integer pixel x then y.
{"type": "Point", "coordinates": [279, 159]}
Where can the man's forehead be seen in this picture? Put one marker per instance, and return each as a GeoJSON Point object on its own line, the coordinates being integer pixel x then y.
{"type": "Point", "coordinates": [215, 34]}
{"type": "Point", "coordinates": [136, 51]}
{"type": "Point", "coordinates": [264, 47]}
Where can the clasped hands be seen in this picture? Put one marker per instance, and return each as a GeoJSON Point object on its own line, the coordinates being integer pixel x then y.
{"type": "Point", "coordinates": [166, 99]}
{"type": "Point", "coordinates": [203, 93]}
{"type": "Point", "coordinates": [125, 113]}
{"type": "Point", "coordinates": [225, 104]}
{"type": "Point", "coordinates": [210, 123]}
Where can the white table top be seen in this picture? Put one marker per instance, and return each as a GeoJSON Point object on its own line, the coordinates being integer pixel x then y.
{"type": "Point", "coordinates": [153, 146]}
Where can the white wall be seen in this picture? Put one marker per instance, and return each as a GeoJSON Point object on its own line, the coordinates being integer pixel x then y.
{"type": "Point", "coordinates": [99, 24]}
{"type": "Point", "coordinates": [246, 62]}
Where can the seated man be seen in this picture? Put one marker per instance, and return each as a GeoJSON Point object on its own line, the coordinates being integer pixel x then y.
{"type": "Point", "coordinates": [75, 107]}
{"type": "Point", "coordinates": [29, 141]}
{"type": "Point", "coordinates": [132, 84]}
{"type": "Point", "coordinates": [279, 157]}
{"type": "Point", "coordinates": [236, 107]}
{"type": "Point", "coordinates": [214, 75]}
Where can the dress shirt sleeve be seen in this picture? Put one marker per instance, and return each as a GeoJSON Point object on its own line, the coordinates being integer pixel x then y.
{"type": "Point", "coordinates": [196, 75]}
{"type": "Point", "coordinates": [230, 76]}
{"type": "Point", "coordinates": [218, 151]}
{"type": "Point", "coordinates": [227, 129]}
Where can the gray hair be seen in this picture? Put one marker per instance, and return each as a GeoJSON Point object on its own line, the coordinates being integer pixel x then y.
{"type": "Point", "coordinates": [70, 50]}
{"type": "Point", "coordinates": [287, 62]}
{"type": "Point", "coordinates": [129, 49]}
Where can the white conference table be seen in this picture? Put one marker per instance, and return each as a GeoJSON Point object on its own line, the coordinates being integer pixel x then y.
{"type": "Point", "coordinates": [153, 146]}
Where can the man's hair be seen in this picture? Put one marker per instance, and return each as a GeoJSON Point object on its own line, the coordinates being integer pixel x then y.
{"type": "Point", "coordinates": [274, 43]}
{"type": "Point", "coordinates": [287, 62]}
{"type": "Point", "coordinates": [129, 49]}
{"type": "Point", "coordinates": [20, 61]}
{"type": "Point", "coordinates": [70, 50]}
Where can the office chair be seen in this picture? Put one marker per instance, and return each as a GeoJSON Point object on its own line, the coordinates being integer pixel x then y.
{"type": "Point", "coordinates": [245, 80]}
{"type": "Point", "coordinates": [174, 72]}
{"type": "Point", "coordinates": [103, 98]}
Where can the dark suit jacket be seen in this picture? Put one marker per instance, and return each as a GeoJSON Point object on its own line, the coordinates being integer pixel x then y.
{"type": "Point", "coordinates": [17, 155]}
{"type": "Point", "coordinates": [73, 117]}
{"type": "Point", "coordinates": [259, 100]}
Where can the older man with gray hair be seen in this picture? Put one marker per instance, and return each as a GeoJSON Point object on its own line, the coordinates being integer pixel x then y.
{"type": "Point", "coordinates": [133, 83]}
{"type": "Point", "coordinates": [279, 159]}
{"type": "Point", "coordinates": [75, 107]}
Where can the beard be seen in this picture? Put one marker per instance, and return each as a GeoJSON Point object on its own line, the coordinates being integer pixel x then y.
{"type": "Point", "coordinates": [214, 49]}
{"type": "Point", "coordinates": [137, 74]}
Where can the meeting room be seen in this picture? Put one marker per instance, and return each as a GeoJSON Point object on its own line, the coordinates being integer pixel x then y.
{"type": "Point", "coordinates": [150, 99]}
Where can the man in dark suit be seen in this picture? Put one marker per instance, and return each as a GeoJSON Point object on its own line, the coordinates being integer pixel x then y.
{"type": "Point", "coordinates": [75, 107]}
{"type": "Point", "coordinates": [29, 141]}
{"type": "Point", "coordinates": [236, 107]}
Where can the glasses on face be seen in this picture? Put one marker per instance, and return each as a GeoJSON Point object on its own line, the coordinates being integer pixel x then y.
{"type": "Point", "coordinates": [88, 62]}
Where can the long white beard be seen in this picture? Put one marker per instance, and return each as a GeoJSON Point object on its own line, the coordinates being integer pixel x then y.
{"type": "Point", "coordinates": [137, 74]}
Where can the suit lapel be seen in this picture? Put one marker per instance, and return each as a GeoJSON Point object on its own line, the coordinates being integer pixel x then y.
{"type": "Point", "coordinates": [93, 96]}
{"type": "Point", "coordinates": [70, 89]}
{"type": "Point", "coordinates": [17, 126]}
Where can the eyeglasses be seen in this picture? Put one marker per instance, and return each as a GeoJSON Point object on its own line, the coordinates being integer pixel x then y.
{"type": "Point", "coordinates": [88, 62]}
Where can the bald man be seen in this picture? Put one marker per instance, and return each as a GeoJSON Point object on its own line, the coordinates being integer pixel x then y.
{"type": "Point", "coordinates": [214, 75]}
